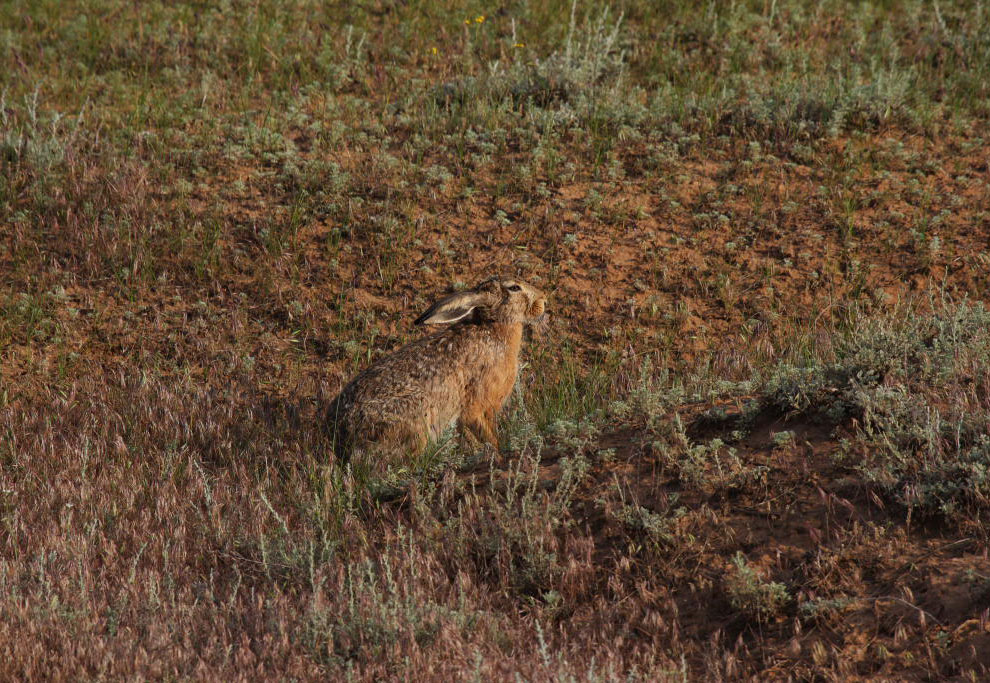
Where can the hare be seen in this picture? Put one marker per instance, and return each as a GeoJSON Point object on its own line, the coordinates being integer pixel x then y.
{"type": "Point", "coordinates": [464, 373]}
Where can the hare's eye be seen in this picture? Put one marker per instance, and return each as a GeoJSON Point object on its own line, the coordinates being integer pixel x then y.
{"type": "Point", "coordinates": [514, 288]}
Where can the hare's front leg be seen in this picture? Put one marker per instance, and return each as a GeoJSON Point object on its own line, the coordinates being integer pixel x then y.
{"type": "Point", "coordinates": [492, 427]}
{"type": "Point", "coordinates": [482, 426]}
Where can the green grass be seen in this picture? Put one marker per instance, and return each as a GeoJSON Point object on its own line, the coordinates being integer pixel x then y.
{"type": "Point", "coordinates": [754, 432]}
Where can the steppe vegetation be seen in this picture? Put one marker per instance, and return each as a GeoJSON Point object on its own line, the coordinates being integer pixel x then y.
{"type": "Point", "coordinates": [753, 444]}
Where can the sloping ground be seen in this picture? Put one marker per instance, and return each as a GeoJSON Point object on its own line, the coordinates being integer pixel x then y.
{"type": "Point", "coordinates": [753, 443]}
{"type": "Point", "coordinates": [149, 526]}
{"type": "Point", "coordinates": [870, 594]}
{"type": "Point", "coordinates": [654, 550]}
{"type": "Point", "coordinates": [729, 257]}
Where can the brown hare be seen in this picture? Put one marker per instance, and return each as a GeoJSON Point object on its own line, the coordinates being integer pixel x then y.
{"type": "Point", "coordinates": [464, 372]}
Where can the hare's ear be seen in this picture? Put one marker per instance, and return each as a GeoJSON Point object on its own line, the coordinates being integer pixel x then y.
{"type": "Point", "coordinates": [453, 308]}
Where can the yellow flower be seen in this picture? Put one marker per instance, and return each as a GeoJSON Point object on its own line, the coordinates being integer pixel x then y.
{"type": "Point", "coordinates": [467, 21]}
{"type": "Point", "coordinates": [519, 45]}
{"type": "Point", "coordinates": [433, 50]}
{"type": "Point", "coordinates": [480, 19]}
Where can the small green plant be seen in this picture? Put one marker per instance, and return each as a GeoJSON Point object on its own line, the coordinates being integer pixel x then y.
{"type": "Point", "coordinates": [753, 595]}
{"type": "Point", "coordinates": [28, 318]}
{"type": "Point", "coordinates": [823, 609]}
{"type": "Point", "coordinates": [711, 466]}
{"type": "Point", "coordinates": [784, 438]}
{"type": "Point", "coordinates": [659, 529]}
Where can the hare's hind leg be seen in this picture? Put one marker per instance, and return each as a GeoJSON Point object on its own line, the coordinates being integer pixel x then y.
{"type": "Point", "coordinates": [385, 444]}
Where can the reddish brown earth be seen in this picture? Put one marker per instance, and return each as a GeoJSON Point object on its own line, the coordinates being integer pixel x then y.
{"type": "Point", "coordinates": [636, 272]}
{"type": "Point", "coordinates": [914, 598]}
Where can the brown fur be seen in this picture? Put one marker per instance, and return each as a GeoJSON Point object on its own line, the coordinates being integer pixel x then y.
{"type": "Point", "coordinates": [463, 373]}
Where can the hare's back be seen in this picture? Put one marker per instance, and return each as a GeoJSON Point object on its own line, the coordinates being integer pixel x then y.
{"type": "Point", "coordinates": [420, 383]}
{"type": "Point", "coordinates": [407, 374]}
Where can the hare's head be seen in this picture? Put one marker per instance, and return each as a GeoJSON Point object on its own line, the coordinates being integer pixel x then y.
{"type": "Point", "coordinates": [494, 300]}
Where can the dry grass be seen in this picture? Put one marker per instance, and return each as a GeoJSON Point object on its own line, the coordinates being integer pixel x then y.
{"type": "Point", "coordinates": [752, 444]}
